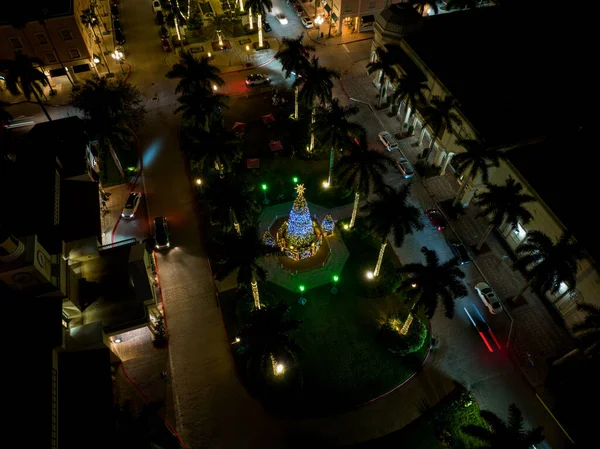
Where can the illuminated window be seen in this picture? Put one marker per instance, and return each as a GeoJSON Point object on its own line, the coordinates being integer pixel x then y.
{"type": "Point", "coordinates": [519, 232]}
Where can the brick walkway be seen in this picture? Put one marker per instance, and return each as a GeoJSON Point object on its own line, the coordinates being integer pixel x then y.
{"type": "Point", "coordinates": [535, 336]}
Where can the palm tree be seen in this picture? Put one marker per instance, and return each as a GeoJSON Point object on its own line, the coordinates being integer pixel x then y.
{"type": "Point", "coordinates": [267, 340]}
{"type": "Point", "coordinates": [232, 203]}
{"type": "Point", "coordinates": [423, 6]}
{"type": "Point", "coordinates": [546, 264]}
{"type": "Point", "coordinates": [333, 129]}
{"type": "Point", "coordinates": [499, 434]}
{"type": "Point", "coordinates": [22, 77]}
{"type": "Point", "coordinates": [293, 56]}
{"type": "Point", "coordinates": [441, 116]}
{"type": "Point", "coordinates": [391, 213]}
{"type": "Point", "coordinates": [362, 170]}
{"type": "Point", "coordinates": [201, 109]}
{"type": "Point", "coordinates": [504, 204]}
{"type": "Point", "coordinates": [385, 60]}
{"type": "Point", "coordinates": [42, 15]}
{"type": "Point", "coordinates": [261, 7]}
{"type": "Point", "coordinates": [195, 74]}
{"type": "Point", "coordinates": [477, 159]}
{"type": "Point", "coordinates": [241, 253]}
{"type": "Point", "coordinates": [588, 331]}
{"type": "Point", "coordinates": [409, 90]}
{"type": "Point", "coordinates": [431, 283]}
{"type": "Point", "coordinates": [219, 22]}
{"type": "Point", "coordinates": [317, 84]}
{"type": "Point", "coordinates": [112, 109]}
{"type": "Point", "coordinates": [218, 148]}
{"type": "Point", "coordinates": [89, 18]}
{"type": "Point", "coordinates": [462, 4]}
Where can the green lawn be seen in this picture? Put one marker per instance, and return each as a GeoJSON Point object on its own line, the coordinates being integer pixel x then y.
{"type": "Point", "coordinates": [343, 365]}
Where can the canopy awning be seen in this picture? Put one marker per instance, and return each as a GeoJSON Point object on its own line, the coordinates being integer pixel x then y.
{"type": "Point", "coordinates": [334, 17]}
{"type": "Point", "coordinates": [368, 19]}
{"type": "Point", "coordinates": [327, 8]}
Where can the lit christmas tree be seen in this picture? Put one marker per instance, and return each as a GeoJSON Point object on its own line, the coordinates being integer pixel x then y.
{"type": "Point", "coordinates": [300, 230]}
{"type": "Point", "coordinates": [268, 239]}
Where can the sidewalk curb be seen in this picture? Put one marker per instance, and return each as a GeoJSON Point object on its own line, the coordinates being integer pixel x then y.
{"type": "Point", "coordinates": [318, 41]}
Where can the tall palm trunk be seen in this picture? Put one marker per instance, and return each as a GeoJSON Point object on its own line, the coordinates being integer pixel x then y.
{"type": "Point", "coordinates": [116, 159]}
{"type": "Point", "coordinates": [409, 320]}
{"type": "Point", "coordinates": [382, 82]}
{"type": "Point", "coordinates": [241, 5]}
{"type": "Point", "coordinates": [250, 18]}
{"type": "Point", "coordinates": [380, 259]}
{"type": "Point", "coordinates": [260, 33]}
{"type": "Point", "coordinates": [255, 294]}
{"type": "Point", "coordinates": [525, 287]}
{"type": "Point", "coordinates": [312, 121]}
{"type": "Point", "coordinates": [355, 209]}
{"type": "Point", "coordinates": [236, 223]}
{"type": "Point", "coordinates": [467, 179]}
{"type": "Point", "coordinates": [296, 103]}
{"type": "Point", "coordinates": [39, 101]}
{"type": "Point", "coordinates": [331, 160]}
{"type": "Point", "coordinates": [484, 237]}
{"type": "Point", "coordinates": [407, 114]}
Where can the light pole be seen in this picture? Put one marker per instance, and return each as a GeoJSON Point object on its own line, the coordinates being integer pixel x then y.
{"type": "Point", "coordinates": [319, 21]}
{"type": "Point", "coordinates": [248, 54]}
{"type": "Point", "coordinates": [118, 56]}
{"type": "Point", "coordinates": [199, 184]}
{"type": "Point", "coordinates": [334, 288]}
{"type": "Point", "coordinates": [264, 188]}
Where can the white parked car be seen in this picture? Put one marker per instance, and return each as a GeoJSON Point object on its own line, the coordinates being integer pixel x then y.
{"type": "Point", "coordinates": [282, 19]}
{"type": "Point", "coordinates": [131, 205]}
{"type": "Point", "coordinates": [489, 297]}
{"type": "Point", "coordinates": [156, 6]}
{"type": "Point", "coordinates": [306, 22]}
{"type": "Point", "coordinates": [388, 141]}
{"type": "Point", "coordinates": [256, 79]}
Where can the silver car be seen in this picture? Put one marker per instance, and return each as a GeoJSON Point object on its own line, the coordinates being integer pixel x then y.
{"type": "Point", "coordinates": [405, 167]}
{"type": "Point", "coordinates": [489, 298]}
{"type": "Point", "coordinates": [131, 205]}
{"type": "Point", "coordinates": [388, 141]}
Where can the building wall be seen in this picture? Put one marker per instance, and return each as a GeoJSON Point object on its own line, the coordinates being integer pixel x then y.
{"type": "Point", "coordinates": [64, 32]}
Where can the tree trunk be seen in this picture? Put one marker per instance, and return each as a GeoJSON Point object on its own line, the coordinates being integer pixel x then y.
{"type": "Point", "coordinates": [255, 294]}
{"type": "Point", "coordinates": [409, 319]}
{"type": "Point", "coordinates": [250, 18]}
{"type": "Point", "coordinates": [296, 103]}
{"type": "Point", "coordinates": [406, 113]}
{"type": "Point", "coordinates": [461, 191]}
{"type": "Point", "coordinates": [525, 287]}
{"type": "Point", "coordinates": [39, 101]}
{"type": "Point", "coordinates": [331, 160]}
{"type": "Point", "coordinates": [236, 223]}
{"type": "Point", "coordinates": [380, 258]}
{"type": "Point", "coordinates": [354, 210]}
{"type": "Point", "coordinates": [381, 88]}
{"type": "Point", "coordinates": [484, 236]}
{"type": "Point", "coordinates": [260, 35]}
{"type": "Point", "coordinates": [113, 153]}
{"type": "Point", "coordinates": [241, 5]}
{"type": "Point", "coordinates": [312, 134]}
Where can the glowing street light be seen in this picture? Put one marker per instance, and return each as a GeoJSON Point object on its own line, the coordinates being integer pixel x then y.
{"type": "Point", "coordinates": [325, 184]}
{"type": "Point", "coordinates": [413, 285]}
{"type": "Point", "coordinates": [295, 180]}
{"type": "Point", "coordinates": [370, 275]}
{"type": "Point", "coordinates": [346, 226]}
{"type": "Point", "coordinates": [301, 288]}
{"type": "Point", "coordinates": [209, 55]}
{"type": "Point", "coordinates": [118, 56]}
{"type": "Point", "coordinates": [198, 181]}
{"type": "Point", "coordinates": [318, 22]}
{"type": "Point", "coordinates": [264, 188]}
{"type": "Point", "coordinates": [215, 87]}
{"type": "Point", "coordinates": [334, 288]}
{"type": "Point", "coordinates": [279, 368]}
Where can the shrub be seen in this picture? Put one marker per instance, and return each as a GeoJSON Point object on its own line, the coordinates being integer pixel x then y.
{"type": "Point", "coordinates": [160, 333]}
{"type": "Point", "coordinates": [397, 343]}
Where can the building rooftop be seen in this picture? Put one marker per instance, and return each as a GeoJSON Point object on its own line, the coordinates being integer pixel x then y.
{"type": "Point", "coordinates": [121, 287]}
{"type": "Point", "coordinates": [567, 187]}
{"type": "Point", "coordinates": [504, 66]}
{"type": "Point", "coordinates": [31, 10]}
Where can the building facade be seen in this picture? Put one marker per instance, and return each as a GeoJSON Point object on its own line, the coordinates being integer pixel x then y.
{"type": "Point", "coordinates": [446, 69]}
{"type": "Point", "coordinates": [347, 16]}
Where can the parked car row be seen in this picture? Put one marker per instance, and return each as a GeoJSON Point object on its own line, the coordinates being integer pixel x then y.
{"type": "Point", "coordinates": [116, 22]}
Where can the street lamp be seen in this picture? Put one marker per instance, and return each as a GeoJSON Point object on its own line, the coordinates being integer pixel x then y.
{"type": "Point", "coordinates": [370, 275]}
{"type": "Point", "coordinates": [295, 180]}
{"type": "Point", "coordinates": [264, 188]}
{"type": "Point", "coordinates": [118, 56]}
{"type": "Point", "coordinates": [334, 289]}
{"type": "Point", "coordinates": [319, 21]}
{"type": "Point", "coordinates": [209, 55]}
{"type": "Point", "coordinates": [325, 184]}
{"type": "Point", "coordinates": [248, 54]}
